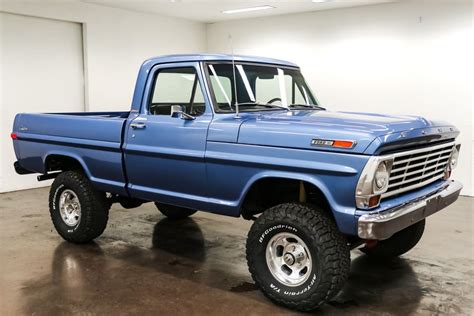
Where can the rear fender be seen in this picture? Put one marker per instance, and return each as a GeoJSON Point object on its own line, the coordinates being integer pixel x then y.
{"type": "Point", "coordinates": [69, 155]}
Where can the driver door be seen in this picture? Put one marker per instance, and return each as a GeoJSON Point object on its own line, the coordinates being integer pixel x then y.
{"type": "Point", "coordinates": [164, 155]}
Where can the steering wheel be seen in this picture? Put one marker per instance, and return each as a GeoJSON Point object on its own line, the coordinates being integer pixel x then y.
{"type": "Point", "coordinates": [274, 100]}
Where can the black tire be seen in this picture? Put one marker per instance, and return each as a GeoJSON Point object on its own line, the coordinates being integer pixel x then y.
{"type": "Point", "coordinates": [94, 208]}
{"type": "Point", "coordinates": [331, 265]}
{"type": "Point", "coordinates": [174, 212]}
{"type": "Point", "coordinates": [398, 244]}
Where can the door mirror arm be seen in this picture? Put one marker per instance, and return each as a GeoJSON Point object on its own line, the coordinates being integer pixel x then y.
{"type": "Point", "coordinates": [178, 111]}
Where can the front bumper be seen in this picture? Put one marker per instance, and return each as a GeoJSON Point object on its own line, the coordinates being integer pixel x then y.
{"type": "Point", "coordinates": [382, 225]}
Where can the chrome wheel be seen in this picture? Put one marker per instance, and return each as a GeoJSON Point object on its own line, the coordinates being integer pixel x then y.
{"type": "Point", "coordinates": [288, 259]}
{"type": "Point", "coordinates": [70, 208]}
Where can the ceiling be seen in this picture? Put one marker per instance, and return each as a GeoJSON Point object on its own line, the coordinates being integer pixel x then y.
{"type": "Point", "coordinates": [211, 11]}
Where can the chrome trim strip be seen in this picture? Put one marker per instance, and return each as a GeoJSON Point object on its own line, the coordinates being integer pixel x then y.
{"type": "Point", "coordinates": [382, 225]}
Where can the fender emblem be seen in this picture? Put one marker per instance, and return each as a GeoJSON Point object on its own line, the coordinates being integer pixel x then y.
{"type": "Point", "coordinates": [333, 143]}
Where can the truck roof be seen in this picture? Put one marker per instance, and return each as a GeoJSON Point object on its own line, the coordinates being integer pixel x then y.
{"type": "Point", "coordinates": [216, 57]}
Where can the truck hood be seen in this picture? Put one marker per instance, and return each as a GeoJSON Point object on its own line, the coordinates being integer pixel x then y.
{"type": "Point", "coordinates": [296, 129]}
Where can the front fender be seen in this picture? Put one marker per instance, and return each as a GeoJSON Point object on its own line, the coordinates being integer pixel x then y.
{"type": "Point", "coordinates": [233, 168]}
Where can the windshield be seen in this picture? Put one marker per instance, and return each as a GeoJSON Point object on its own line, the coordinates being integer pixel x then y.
{"type": "Point", "coordinates": [257, 87]}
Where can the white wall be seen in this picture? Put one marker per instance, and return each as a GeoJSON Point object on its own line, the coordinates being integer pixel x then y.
{"type": "Point", "coordinates": [116, 42]}
{"type": "Point", "coordinates": [33, 81]}
{"type": "Point", "coordinates": [411, 57]}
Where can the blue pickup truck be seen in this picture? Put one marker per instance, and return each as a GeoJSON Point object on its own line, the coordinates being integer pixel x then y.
{"type": "Point", "coordinates": [245, 136]}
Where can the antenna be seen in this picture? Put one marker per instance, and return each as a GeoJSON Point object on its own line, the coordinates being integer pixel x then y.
{"type": "Point", "coordinates": [236, 104]}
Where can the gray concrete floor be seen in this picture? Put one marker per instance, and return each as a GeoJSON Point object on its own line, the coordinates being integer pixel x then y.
{"type": "Point", "coordinates": [145, 264]}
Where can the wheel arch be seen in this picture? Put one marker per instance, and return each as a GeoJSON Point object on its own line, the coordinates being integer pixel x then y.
{"type": "Point", "coordinates": [57, 160]}
{"type": "Point", "coordinates": [310, 184]}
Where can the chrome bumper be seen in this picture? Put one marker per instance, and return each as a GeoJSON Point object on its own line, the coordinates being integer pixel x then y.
{"type": "Point", "coordinates": [384, 224]}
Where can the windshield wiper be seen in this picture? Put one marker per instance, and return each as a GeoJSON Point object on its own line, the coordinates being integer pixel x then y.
{"type": "Point", "coordinates": [267, 105]}
{"type": "Point", "coordinates": [311, 106]}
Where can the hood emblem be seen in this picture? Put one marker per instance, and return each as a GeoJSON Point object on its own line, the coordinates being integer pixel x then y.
{"type": "Point", "coordinates": [423, 132]}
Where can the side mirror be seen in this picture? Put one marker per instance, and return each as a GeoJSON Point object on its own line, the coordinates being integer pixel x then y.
{"type": "Point", "coordinates": [178, 111]}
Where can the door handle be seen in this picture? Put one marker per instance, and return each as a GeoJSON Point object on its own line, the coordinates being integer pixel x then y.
{"type": "Point", "coordinates": [137, 125]}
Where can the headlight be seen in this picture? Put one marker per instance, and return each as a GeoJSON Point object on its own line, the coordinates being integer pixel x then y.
{"type": "Point", "coordinates": [381, 177]}
{"type": "Point", "coordinates": [373, 181]}
{"type": "Point", "coordinates": [453, 160]}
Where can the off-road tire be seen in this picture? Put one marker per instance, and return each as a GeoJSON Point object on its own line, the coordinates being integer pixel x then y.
{"type": "Point", "coordinates": [330, 266]}
{"type": "Point", "coordinates": [398, 244]}
{"type": "Point", "coordinates": [94, 208]}
{"type": "Point", "coordinates": [174, 212]}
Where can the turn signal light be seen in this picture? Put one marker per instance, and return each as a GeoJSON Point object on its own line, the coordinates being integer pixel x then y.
{"type": "Point", "coordinates": [342, 144]}
{"type": "Point", "coordinates": [447, 173]}
{"type": "Point", "coordinates": [13, 136]}
{"type": "Point", "coordinates": [374, 200]}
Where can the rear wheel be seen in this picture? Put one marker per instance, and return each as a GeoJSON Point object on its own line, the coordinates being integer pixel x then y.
{"type": "Point", "coordinates": [297, 256]}
{"type": "Point", "coordinates": [174, 212]}
{"type": "Point", "coordinates": [398, 244]}
{"type": "Point", "coordinates": [78, 211]}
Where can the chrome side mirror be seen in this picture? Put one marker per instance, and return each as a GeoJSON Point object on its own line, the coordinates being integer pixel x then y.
{"type": "Point", "coordinates": [178, 111]}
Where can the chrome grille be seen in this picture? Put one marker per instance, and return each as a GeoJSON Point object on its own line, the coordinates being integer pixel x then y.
{"type": "Point", "coordinates": [416, 168]}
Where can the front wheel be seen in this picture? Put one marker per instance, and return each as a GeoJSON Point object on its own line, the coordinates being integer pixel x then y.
{"type": "Point", "coordinates": [297, 256]}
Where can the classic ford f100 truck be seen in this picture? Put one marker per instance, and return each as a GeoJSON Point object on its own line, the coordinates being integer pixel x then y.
{"type": "Point", "coordinates": [245, 136]}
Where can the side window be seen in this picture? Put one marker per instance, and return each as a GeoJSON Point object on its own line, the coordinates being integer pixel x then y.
{"type": "Point", "coordinates": [177, 86]}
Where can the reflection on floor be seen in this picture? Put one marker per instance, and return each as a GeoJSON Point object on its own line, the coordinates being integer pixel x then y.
{"type": "Point", "coordinates": [146, 264]}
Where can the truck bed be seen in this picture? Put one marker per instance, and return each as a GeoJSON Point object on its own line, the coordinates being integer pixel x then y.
{"type": "Point", "coordinates": [93, 138]}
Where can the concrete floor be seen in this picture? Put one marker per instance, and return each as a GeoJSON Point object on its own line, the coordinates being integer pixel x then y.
{"type": "Point", "coordinates": [145, 264]}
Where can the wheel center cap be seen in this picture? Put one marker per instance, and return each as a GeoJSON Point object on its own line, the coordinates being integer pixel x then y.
{"type": "Point", "coordinates": [289, 259]}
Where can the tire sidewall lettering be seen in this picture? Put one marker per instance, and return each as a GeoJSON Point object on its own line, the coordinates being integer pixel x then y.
{"type": "Point", "coordinates": [55, 197]}
{"type": "Point", "coordinates": [280, 290]}
{"type": "Point", "coordinates": [279, 226]}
